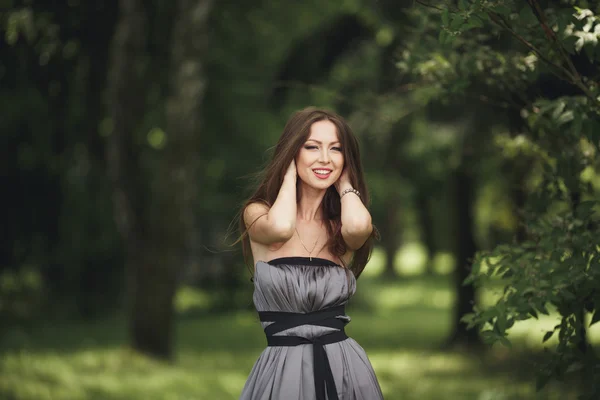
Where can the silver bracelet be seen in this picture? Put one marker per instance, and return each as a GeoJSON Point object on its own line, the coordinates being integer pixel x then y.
{"type": "Point", "coordinates": [356, 192]}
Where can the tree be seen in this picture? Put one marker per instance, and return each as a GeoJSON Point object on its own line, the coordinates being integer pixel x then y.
{"type": "Point", "coordinates": [547, 76]}
{"type": "Point", "coordinates": [463, 179]}
{"type": "Point", "coordinates": [155, 215]}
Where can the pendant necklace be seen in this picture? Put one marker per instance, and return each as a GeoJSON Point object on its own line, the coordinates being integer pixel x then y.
{"type": "Point", "coordinates": [302, 243]}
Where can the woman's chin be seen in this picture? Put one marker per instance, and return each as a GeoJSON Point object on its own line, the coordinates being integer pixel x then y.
{"type": "Point", "coordinates": [321, 185]}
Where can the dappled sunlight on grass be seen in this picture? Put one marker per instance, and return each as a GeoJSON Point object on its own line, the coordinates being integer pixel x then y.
{"type": "Point", "coordinates": [411, 364]}
{"type": "Point", "coordinates": [416, 374]}
{"type": "Point", "coordinates": [214, 364]}
{"type": "Point", "coordinates": [121, 374]}
{"type": "Point", "coordinates": [389, 297]}
{"type": "Point", "coordinates": [406, 374]}
{"type": "Point", "coordinates": [410, 260]}
{"type": "Point", "coordinates": [443, 263]}
{"type": "Point", "coordinates": [189, 298]}
{"type": "Point", "coordinates": [376, 263]}
{"type": "Point", "coordinates": [402, 331]}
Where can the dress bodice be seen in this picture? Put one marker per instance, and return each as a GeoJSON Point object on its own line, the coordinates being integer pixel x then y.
{"type": "Point", "coordinates": [302, 285]}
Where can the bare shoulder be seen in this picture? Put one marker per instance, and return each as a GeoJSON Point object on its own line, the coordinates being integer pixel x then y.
{"type": "Point", "coordinates": [262, 228]}
{"type": "Point", "coordinates": [254, 211]}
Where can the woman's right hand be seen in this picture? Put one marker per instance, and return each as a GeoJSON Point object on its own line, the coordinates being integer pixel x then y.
{"type": "Point", "coordinates": [291, 172]}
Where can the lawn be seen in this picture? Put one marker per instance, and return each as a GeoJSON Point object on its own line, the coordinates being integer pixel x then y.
{"type": "Point", "coordinates": [400, 324]}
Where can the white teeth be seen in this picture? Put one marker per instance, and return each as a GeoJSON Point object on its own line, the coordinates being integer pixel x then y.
{"type": "Point", "coordinates": [322, 171]}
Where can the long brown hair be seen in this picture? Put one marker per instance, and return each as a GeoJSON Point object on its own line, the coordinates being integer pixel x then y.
{"type": "Point", "coordinates": [295, 133]}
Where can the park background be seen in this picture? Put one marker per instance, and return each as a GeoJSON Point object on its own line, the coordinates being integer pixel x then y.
{"type": "Point", "coordinates": [132, 132]}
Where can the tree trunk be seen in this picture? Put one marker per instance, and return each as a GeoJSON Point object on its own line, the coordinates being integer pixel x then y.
{"type": "Point", "coordinates": [517, 171]}
{"type": "Point", "coordinates": [390, 232]}
{"type": "Point", "coordinates": [178, 179]}
{"type": "Point", "coordinates": [390, 254]}
{"type": "Point", "coordinates": [175, 187]}
{"type": "Point", "coordinates": [583, 344]}
{"type": "Point", "coordinates": [125, 103]}
{"type": "Point", "coordinates": [465, 251]}
{"type": "Point", "coordinates": [156, 219]}
{"type": "Point", "coordinates": [426, 223]}
{"type": "Point", "coordinates": [519, 197]}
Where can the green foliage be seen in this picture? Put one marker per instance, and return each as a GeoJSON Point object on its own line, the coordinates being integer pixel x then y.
{"type": "Point", "coordinates": [557, 266]}
{"type": "Point", "coordinates": [548, 35]}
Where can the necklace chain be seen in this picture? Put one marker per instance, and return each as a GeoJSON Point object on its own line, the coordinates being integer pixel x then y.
{"type": "Point", "coordinates": [303, 245]}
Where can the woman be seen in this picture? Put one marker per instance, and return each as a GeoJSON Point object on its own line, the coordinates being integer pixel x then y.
{"type": "Point", "coordinates": [310, 236]}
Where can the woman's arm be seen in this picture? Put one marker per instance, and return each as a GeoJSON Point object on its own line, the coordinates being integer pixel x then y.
{"type": "Point", "coordinates": [356, 219]}
{"type": "Point", "coordinates": [276, 224]}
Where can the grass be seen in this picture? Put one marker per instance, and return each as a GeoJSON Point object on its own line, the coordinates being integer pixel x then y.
{"type": "Point", "coordinates": [401, 325]}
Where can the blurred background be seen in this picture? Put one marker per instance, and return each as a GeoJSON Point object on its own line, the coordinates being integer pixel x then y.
{"type": "Point", "coordinates": [131, 133]}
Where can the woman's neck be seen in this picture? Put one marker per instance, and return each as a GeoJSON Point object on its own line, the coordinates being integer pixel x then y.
{"type": "Point", "coordinates": [309, 206]}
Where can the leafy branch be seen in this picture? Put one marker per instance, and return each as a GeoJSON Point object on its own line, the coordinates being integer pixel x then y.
{"type": "Point", "coordinates": [572, 72]}
{"type": "Point", "coordinates": [470, 15]}
{"type": "Point", "coordinates": [500, 21]}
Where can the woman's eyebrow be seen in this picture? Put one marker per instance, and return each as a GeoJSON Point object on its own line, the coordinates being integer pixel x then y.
{"type": "Point", "coordinates": [313, 140]}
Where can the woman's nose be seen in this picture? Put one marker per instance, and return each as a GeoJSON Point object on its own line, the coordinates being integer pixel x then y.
{"type": "Point", "coordinates": [324, 156]}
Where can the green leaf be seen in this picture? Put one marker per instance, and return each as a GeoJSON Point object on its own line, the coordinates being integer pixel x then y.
{"type": "Point", "coordinates": [473, 23]}
{"type": "Point", "coordinates": [505, 341]}
{"type": "Point", "coordinates": [526, 16]}
{"type": "Point", "coordinates": [489, 314]}
{"type": "Point", "coordinates": [450, 38]}
{"type": "Point", "coordinates": [443, 37]}
{"type": "Point", "coordinates": [502, 9]}
{"type": "Point", "coordinates": [489, 337]}
{"type": "Point", "coordinates": [483, 15]}
{"type": "Point", "coordinates": [577, 124]}
{"type": "Point", "coordinates": [589, 51]}
{"type": "Point", "coordinates": [530, 291]}
{"type": "Point", "coordinates": [501, 323]}
{"type": "Point", "coordinates": [559, 107]}
{"type": "Point", "coordinates": [457, 22]}
{"type": "Point", "coordinates": [563, 18]}
{"type": "Point", "coordinates": [567, 295]}
{"type": "Point", "coordinates": [565, 117]}
{"type": "Point", "coordinates": [547, 336]}
{"type": "Point", "coordinates": [470, 320]}
{"type": "Point", "coordinates": [569, 44]}
{"type": "Point", "coordinates": [595, 317]}
{"type": "Point", "coordinates": [445, 19]}
{"type": "Point", "coordinates": [586, 209]}
{"type": "Point", "coordinates": [510, 322]}
{"type": "Point", "coordinates": [542, 380]}
{"type": "Point", "coordinates": [533, 313]}
{"type": "Point", "coordinates": [576, 366]}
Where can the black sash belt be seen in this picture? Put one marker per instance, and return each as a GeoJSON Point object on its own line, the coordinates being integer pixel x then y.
{"type": "Point", "coordinates": [324, 382]}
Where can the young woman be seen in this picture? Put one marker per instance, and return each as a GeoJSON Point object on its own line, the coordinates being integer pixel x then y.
{"type": "Point", "coordinates": [310, 235]}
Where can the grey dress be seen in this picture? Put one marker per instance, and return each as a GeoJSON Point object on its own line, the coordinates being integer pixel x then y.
{"type": "Point", "coordinates": [300, 290]}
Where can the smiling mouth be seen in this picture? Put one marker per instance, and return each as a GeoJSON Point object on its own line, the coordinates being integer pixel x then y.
{"type": "Point", "coordinates": [322, 173]}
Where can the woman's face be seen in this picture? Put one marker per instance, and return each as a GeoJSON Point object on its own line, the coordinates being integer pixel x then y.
{"type": "Point", "coordinates": [320, 161]}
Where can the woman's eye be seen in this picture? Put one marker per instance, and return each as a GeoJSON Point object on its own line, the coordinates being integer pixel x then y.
{"type": "Point", "coordinates": [310, 147]}
{"type": "Point", "coordinates": [336, 148]}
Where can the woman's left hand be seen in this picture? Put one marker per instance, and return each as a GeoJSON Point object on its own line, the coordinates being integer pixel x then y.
{"type": "Point", "coordinates": [343, 182]}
